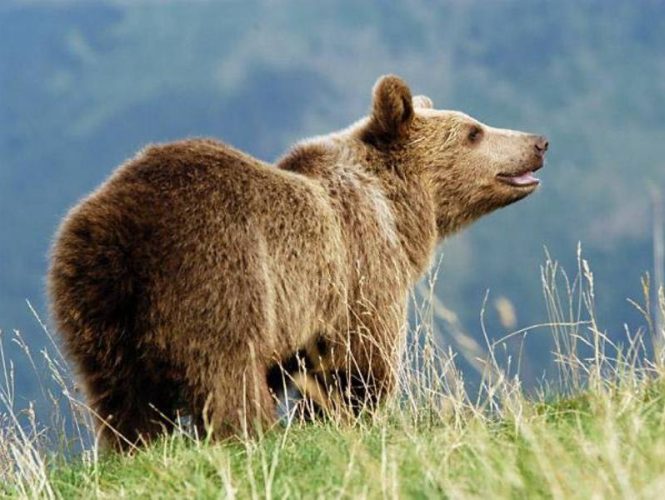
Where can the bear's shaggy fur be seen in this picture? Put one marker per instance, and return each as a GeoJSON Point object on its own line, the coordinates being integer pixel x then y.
{"type": "Point", "coordinates": [195, 268]}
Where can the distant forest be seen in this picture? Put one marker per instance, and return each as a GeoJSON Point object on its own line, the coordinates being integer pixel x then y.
{"type": "Point", "coordinates": [84, 85]}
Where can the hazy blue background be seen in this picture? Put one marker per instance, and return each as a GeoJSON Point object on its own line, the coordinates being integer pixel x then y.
{"type": "Point", "coordinates": [84, 84]}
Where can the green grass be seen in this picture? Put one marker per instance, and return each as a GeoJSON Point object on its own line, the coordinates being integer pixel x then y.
{"type": "Point", "coordinates": [602, 435]}
{"type": "Point", "coordinates": [609, 442]}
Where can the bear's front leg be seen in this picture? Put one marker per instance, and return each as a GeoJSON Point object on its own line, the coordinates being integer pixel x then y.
{"type": "Point", "coordinates": [374, 346]}
{"type": "Point", "coordinates": [360, 366]}
{"type": "Point", "coordinates": [337, 376]}
{"type": "Point", "coordinates": [369, 374]}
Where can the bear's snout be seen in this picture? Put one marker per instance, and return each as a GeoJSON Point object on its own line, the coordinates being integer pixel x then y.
{"type": "Point", "coordinates": [540, 144]}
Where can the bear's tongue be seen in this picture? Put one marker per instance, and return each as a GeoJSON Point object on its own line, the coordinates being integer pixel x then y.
{"type": "Point", "coordinates": [525, 178]}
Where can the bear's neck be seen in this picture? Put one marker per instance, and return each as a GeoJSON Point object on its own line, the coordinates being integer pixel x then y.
{"type": "Point", "coordinates": [414, 214]}
{"type": "Point", "coordinates": [377, 201]}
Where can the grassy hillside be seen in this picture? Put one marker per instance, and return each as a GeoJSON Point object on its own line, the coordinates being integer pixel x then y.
{"type": "Point", "coordinates": [598, 432]}
{"type": "Point", "coordinates": [605, 443]}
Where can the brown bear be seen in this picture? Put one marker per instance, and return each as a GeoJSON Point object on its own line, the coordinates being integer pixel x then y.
{"type": "Point", "coordinates": [195, 267]}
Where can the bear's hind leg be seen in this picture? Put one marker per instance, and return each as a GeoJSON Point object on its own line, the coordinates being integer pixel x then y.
{"type": "Point", "coordinates": [130, 414]}
{"type": "Point", "coordinates": [235, 399]}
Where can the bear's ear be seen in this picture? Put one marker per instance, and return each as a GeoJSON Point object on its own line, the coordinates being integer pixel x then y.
{"type": "Point", "coordinates": [392, 111]}
{"type": "Point", "coordinates": [422, 102]}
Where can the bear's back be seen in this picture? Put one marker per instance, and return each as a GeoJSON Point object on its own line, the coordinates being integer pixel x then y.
{"type": "Point", "coordinates": [178, 232]}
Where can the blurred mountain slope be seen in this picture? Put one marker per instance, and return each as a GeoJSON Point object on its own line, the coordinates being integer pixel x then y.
{"type": "Point", "coordinates": [84, 85]}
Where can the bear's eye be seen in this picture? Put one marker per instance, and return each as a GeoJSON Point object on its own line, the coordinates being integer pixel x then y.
{"type": "Point", "coordinates": [475, 134]}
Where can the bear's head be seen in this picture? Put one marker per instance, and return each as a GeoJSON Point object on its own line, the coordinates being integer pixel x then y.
{"type": "Point", "coordinates": [470, 168]}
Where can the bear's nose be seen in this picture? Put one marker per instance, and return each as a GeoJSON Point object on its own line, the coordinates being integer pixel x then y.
{"type": "Point", "coordinates": [541, 144]}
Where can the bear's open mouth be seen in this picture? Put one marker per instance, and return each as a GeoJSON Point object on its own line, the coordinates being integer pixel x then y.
{"type": "Point", "coordinates": [521, 179]}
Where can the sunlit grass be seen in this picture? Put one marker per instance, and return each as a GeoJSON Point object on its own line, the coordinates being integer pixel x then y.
{"type": "Point", "coordinates": [606, 445]}
{"type": "Point", "coordinates": [598, 430]}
